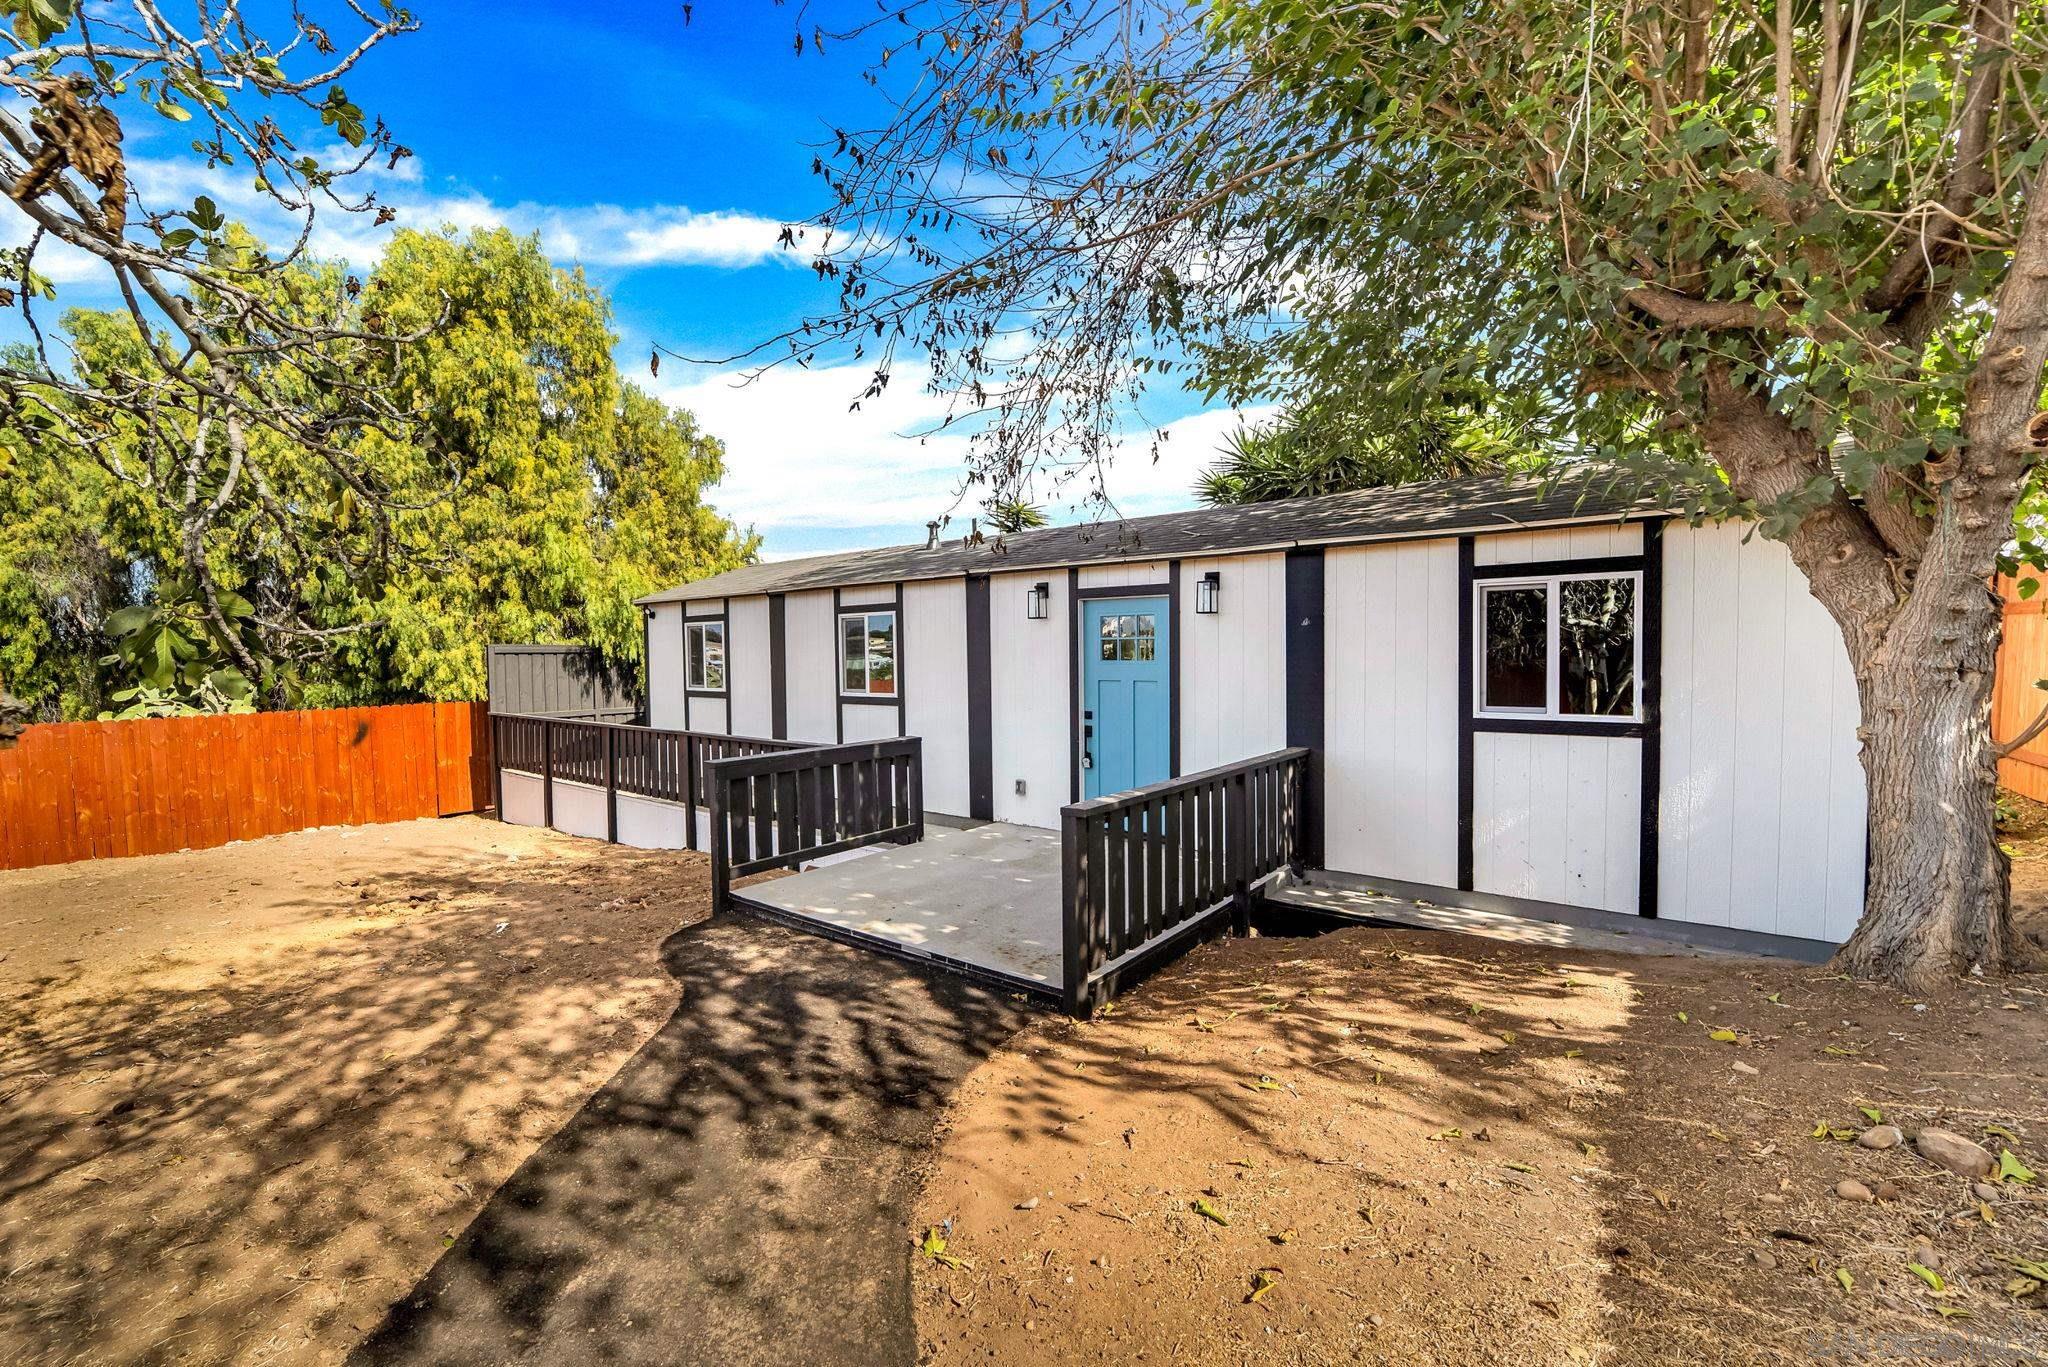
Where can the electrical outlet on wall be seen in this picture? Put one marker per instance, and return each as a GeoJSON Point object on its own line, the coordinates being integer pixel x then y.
{"type": "Point", "coordinates": [1020, 787]}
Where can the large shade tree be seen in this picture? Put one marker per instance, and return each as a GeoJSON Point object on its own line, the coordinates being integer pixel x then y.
{"type": "Point", "coordinates": [1786, 261]}
{"type": "Point", "coordinates": [533, 496]}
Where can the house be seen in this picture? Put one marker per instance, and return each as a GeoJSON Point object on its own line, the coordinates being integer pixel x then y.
{"type": "Point", "coordinates": [1513, 696]}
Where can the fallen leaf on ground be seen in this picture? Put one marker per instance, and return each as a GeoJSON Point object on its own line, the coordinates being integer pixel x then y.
{"type": "Point", "coordinates": [1201, 1207]}
{"type": "Point", "coordinates": [1263, 1280]}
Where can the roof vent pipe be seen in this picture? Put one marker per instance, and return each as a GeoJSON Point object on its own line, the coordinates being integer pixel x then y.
{"type": "Point", "coordinates": [931, 535]}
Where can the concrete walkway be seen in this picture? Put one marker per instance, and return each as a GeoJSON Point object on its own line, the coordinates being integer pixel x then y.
{"type": "Point", "coordinates": [739, 1191]}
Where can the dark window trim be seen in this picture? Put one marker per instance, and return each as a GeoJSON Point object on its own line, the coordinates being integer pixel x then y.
{"type": "Point", "coordinates": [725, 643]}
{"type": "Point", "coordinates": [1516, 718]}
{"type": "Point", "coordinates": [839, 655]}
{"type": "Point", "coordinates": [1556, 726]}
{"type": "Point", "coordinates": [1650, 700]}
{"type": "Point", "coordinates": [1540, 569]}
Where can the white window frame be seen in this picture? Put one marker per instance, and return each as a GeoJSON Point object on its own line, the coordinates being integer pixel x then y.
{"type": "Point", "coordinates": [1552, 585]}
{"type": "Point", "coordinates": [691, 681]}
{"type": "Point", "coordinates": [867, 657]}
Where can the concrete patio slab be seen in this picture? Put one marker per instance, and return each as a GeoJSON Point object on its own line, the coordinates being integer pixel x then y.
{"type": "Point", "coordinates": [987, 897]}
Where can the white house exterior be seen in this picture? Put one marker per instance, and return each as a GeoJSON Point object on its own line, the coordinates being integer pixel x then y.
{"type": "Point", "coordinates": [1515, 695]}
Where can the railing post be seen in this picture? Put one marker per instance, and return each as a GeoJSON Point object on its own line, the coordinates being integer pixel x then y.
{"type": "Point", "coordinates": [690, 794]}
{"type": "Point", "coordinates": [611, 784]}
{"type": "Point", "coordinates": [498, 765]}
{"type": "Point", "coordinates": [721, 849]}
{"type": "Point", "coordinates": [1077, 900]}
{"type": "Point", "coordinates": [547, 773]}
{"type": "Point", "coordinates": [916, 786]}
{"type": "Point", "coordinates": [1296, 833]}
{"type": "Point", "coordinates": [1237, 853]}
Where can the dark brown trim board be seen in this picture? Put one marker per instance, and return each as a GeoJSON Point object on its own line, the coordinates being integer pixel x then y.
{"type": "Point", "coordinates": [1157, 590]}
{"type": "Point", "coordinates": [902, 666]}
{"type": "Point", "coordinates": [1305, 645]}
{"type": "Point", "coordinates": [838, 675]}
{"type": "Point", "coordinates": [1466, 552]}
{"type": "Point", "coordinates": [981, 711]}
{"type": "Point", "coordinates": [1539, 569]}
{"type": "Point", "coordinates": [1173, 653]}
{"type": "Point", "coordinates": [1073, 684]}
{"type": "Point", "coordinates": [1652, 702]}
{"type": "Point", "coordinates": [778, 667]}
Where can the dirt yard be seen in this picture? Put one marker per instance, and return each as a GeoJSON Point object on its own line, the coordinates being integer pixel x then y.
{"type": "Point", "coordinates": [249, 1095]}
{"type": "Point", "coordinates": [1415, 1147]}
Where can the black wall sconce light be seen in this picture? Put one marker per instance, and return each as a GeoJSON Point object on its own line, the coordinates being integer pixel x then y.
{"type": "Point", "coordinates": [1038, 601]}
{"type": "Point", "coordinates": [1208, 589]}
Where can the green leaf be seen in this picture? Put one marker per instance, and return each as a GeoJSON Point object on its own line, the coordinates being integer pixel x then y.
{"type": "Point", "coordinates": [1928, 1275]}
{"type": "Point", "coordinates": [1848, 1283]}
{"type": "Point", "coordinates": [1200, 1205]}
{"type": "Point", "coordinates": [1872, 1114]}
{"type": "Point", "coordinates": [2010, 1169]}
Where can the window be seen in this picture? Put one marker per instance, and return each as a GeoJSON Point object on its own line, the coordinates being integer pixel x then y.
{"type": "Point", "coordinates": [1562, 646]}
{"type": "Point", "coordinates": [867, 653]}
{"type": "Point", "coordinates": [704, 644]}
{"type": "Point", "coordinates": [1132, 636]}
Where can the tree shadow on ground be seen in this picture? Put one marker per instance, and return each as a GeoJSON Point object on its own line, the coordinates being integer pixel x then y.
{"type": "Point", "coordinates": [233, 1155]}
{"type": "Point", "coordinates": [738, 1191]}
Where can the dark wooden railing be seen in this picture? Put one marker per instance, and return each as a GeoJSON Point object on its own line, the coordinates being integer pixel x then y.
{"type": "Point", "coordinates": [771, 811]}
{"type": "Point", "coordinates": [641, 761]}
{"type": "Point", "coordinates": [1143, 871]}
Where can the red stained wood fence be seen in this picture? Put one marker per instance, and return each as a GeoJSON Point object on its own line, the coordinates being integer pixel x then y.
{"type": "Point", "coordinates": [102, 789]}
{"type": "Point", "coordinates": [2015, 702]}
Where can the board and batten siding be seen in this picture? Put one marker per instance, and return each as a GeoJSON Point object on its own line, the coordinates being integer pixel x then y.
{"type": "Point", "coordinates": [1559, 543]}
{"type": "Point", "coordinates": [935, 687]}
{"type": "Point", "coordinates": [665, 674]}
{"type": "Point", "coordinates": [1762, 802]}
{"type": "Point", "coordinates": [1558, 819]}
{"type": "Point", "coordinates": [1233, 662]}
{"type": "Point", "coordinates": [1031, 698]}
{"type": "Point", "coordinates": [1390, 711]}
{"type": "Point", "coordinates": [748, 685]}
{"type": "Point", "coordinates": [811, 656]}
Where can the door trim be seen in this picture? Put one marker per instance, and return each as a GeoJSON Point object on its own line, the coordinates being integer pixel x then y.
{"type": "Point", "coordinates": [1170, 592]}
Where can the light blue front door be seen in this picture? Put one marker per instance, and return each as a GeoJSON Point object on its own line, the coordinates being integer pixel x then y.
{"type": "Point", "coordinates": [1126, 694]}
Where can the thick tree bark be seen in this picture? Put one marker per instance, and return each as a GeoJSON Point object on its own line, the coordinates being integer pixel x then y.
{"type": "Point", "coordinates": [1937, 902]}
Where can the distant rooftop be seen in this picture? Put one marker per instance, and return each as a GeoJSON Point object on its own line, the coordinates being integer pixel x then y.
{"type": "Point", "coordinates": [1451, 507]}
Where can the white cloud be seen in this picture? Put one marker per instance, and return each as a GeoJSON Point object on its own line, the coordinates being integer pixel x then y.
{"type": "Point", "coordinates": [814, 476]}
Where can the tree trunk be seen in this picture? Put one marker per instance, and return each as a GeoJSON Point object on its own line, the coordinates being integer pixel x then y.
{"type": "Point", "coordinates": [1937, 902]}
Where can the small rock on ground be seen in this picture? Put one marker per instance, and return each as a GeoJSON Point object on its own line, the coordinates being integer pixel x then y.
{"type": "Point", "coordinates": [1955, 1153]}
{"type": "Point", "coordinates": [1881, 1137]}
{"type": "Point", "coordinates": [1849, 1189]}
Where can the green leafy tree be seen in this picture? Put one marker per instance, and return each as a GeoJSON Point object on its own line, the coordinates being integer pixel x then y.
{"type": "Point", "coordinates": [1785, 261]}
{"type": "Point", "coordinates": [533, 496]}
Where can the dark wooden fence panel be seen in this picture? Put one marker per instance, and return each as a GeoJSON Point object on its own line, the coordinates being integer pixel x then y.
{"type": "Point", "coordinates": [95, 790]}
{"type": "Point", "coordinates": [776, 810]}
{"type": "Point", "coordinates": [563, 681]}
{"type": "Point", "coordinates": [1142, 869]}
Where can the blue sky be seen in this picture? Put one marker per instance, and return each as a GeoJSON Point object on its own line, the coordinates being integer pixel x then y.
{"type": "Point", "coordinates": [663, 158]}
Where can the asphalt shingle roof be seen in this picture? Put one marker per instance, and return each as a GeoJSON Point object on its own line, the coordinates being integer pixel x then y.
{"type": "Point", "coordinates": [1485, 503]}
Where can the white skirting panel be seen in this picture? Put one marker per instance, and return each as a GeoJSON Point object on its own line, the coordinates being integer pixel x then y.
{"type": "Point", "coordinates": [1558, 818]}
{"type": "Point", "coordinates": [525, 798]}
{"type": "Point", "coordinates": [1391, 711]}
{"type": "Point", "coordinates": [652, 825]}
{"type": "Point", "coordinates": [1762, 802]}
{"type": "Point", "coordinates": [580, 810]}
